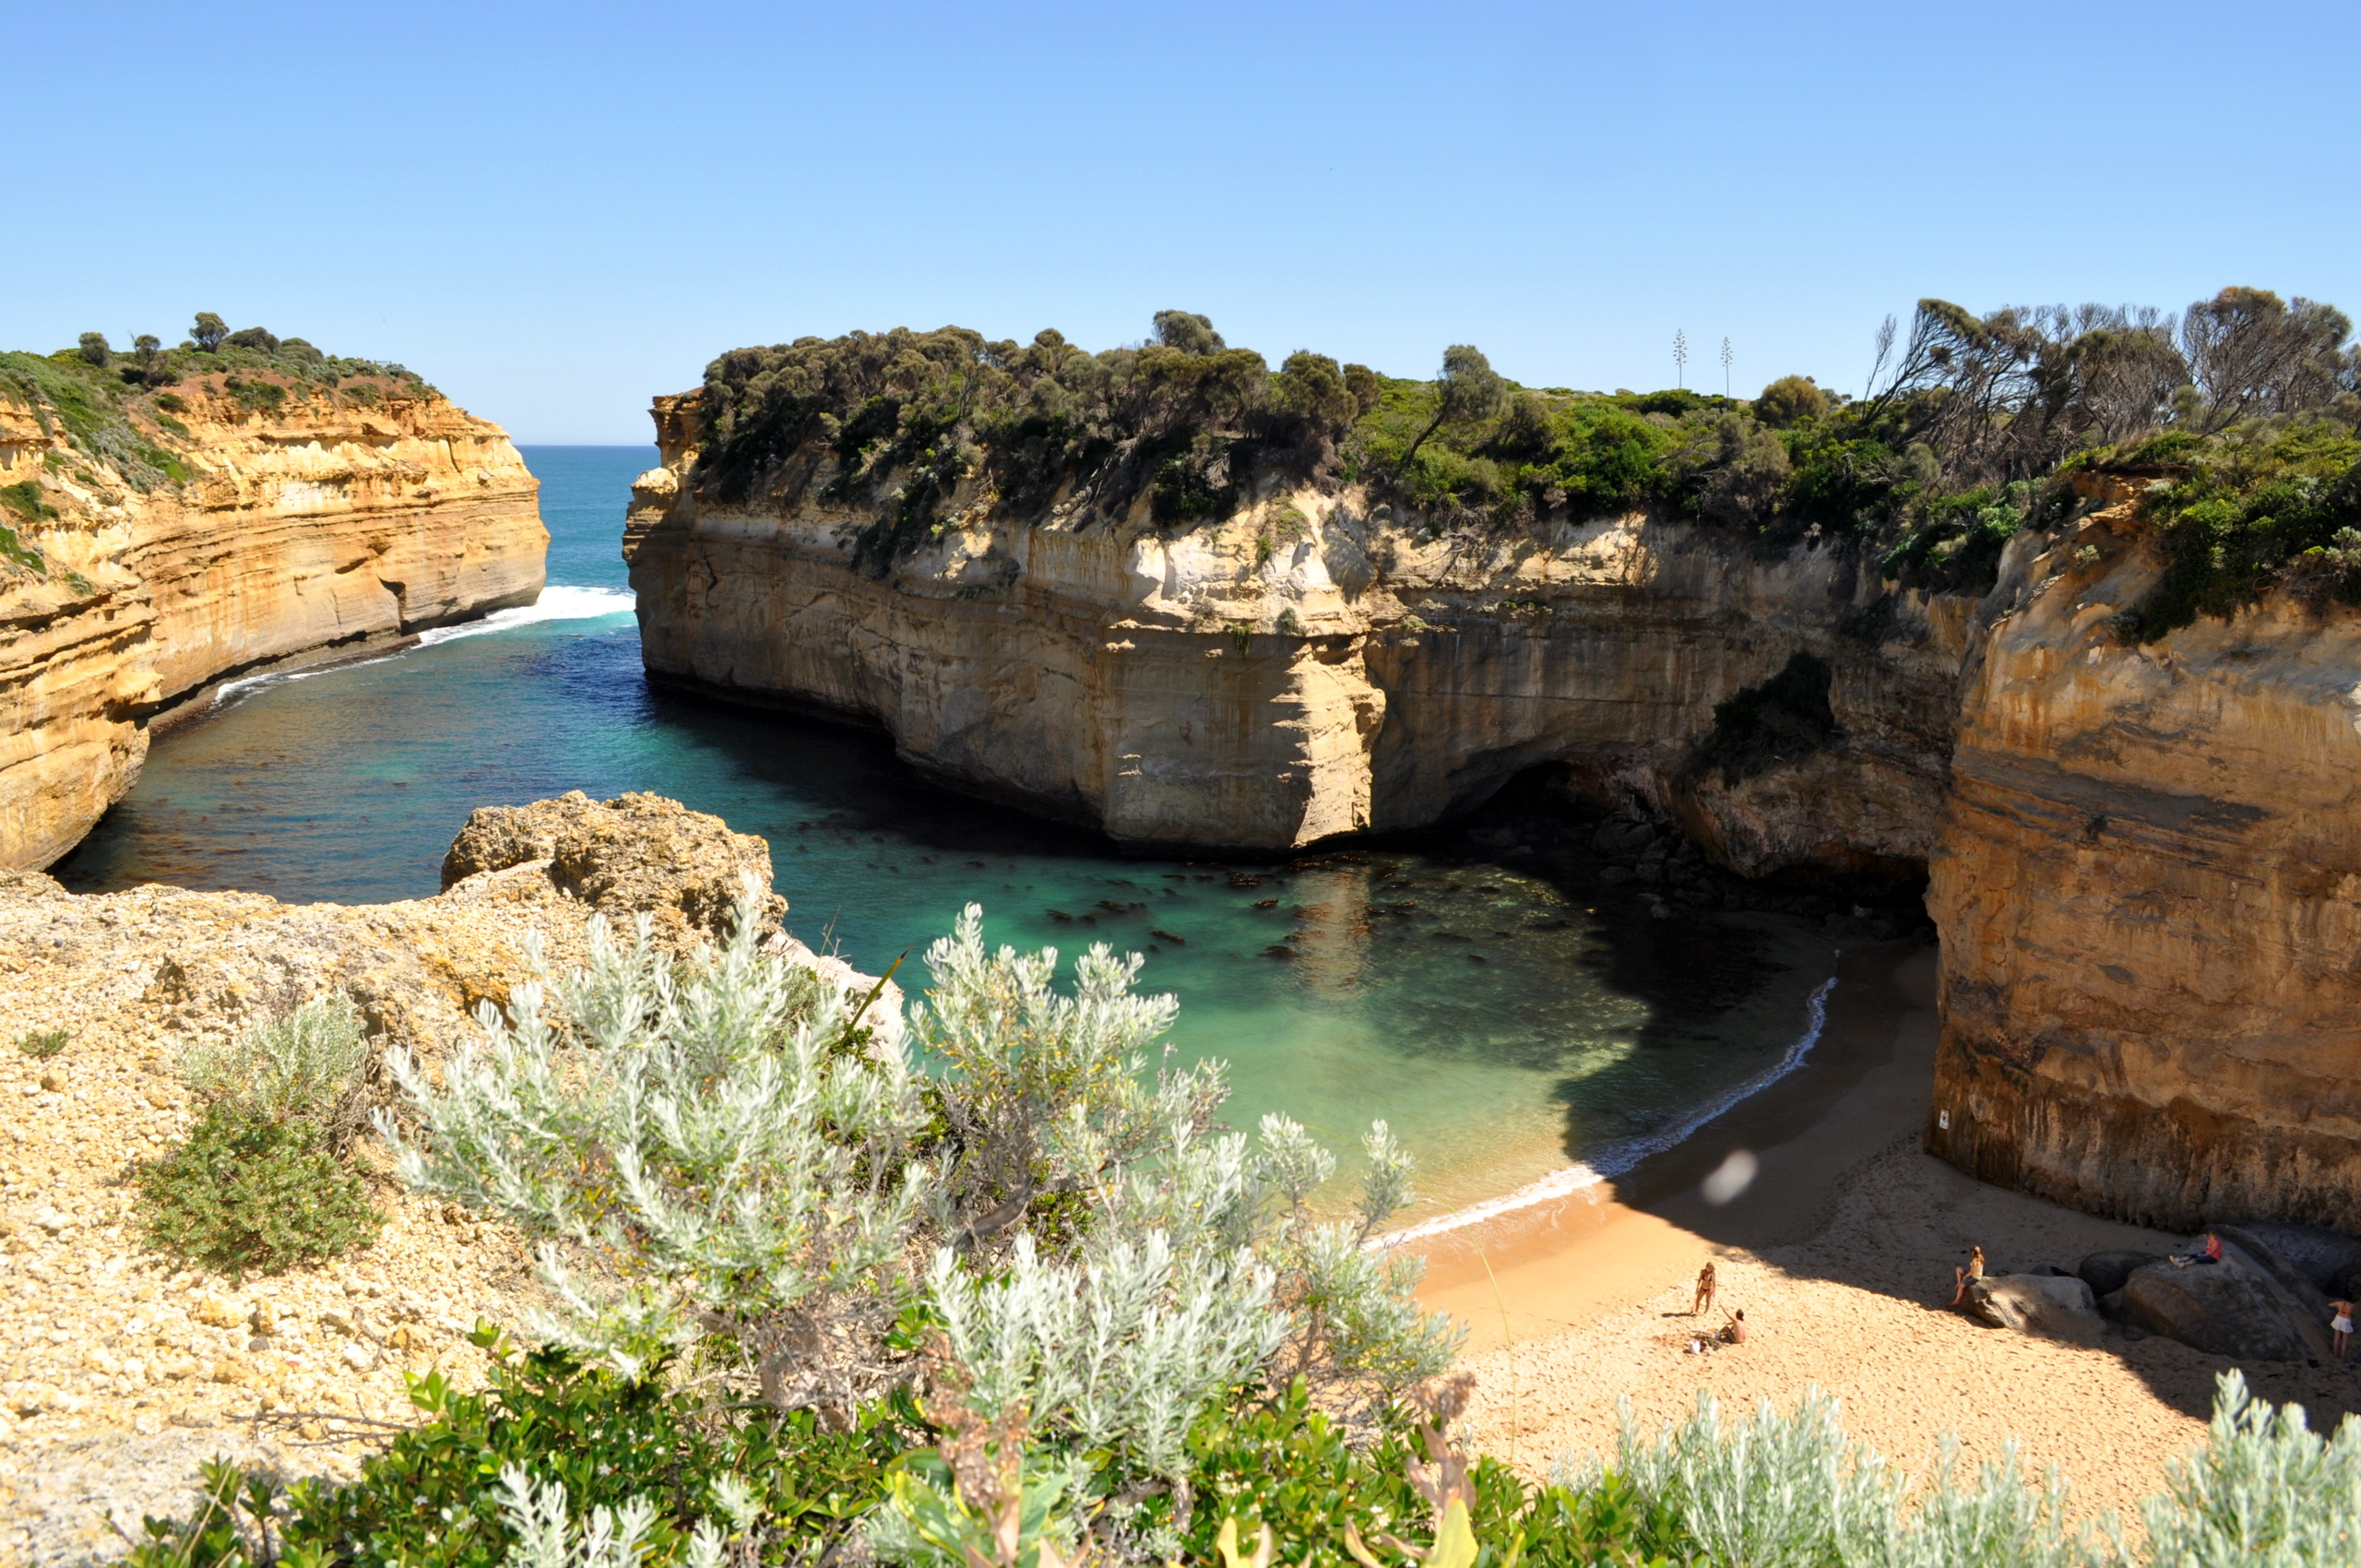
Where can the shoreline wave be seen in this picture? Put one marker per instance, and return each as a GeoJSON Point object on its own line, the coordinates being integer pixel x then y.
{"type": "Point", "coordinates": [1618, 1157]}
{"type": "Point", "coordinates": [558, 603]}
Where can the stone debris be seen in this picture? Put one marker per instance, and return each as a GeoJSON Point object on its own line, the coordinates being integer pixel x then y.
{"type": "Point", "coordinates": [120, 1370]}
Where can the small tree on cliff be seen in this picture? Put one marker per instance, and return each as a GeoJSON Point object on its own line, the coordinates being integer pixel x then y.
{"type": "Point", "coordinates": [209, 331]}
{"type": "Point", "coordinates": [1471, 391]}
{"type": "Point", "coordinates": [93, 349]}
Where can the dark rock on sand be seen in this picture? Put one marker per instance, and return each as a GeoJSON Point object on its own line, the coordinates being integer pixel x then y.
{"type": "Point", "coordinates": [2055, 1305]}
{"type": "Point", "coordinates": [2242, 1307]}
{"type": "Point", "coordinates": [2328, 1259]}
{"type": "Point", "coordinates": [2105, 1272]}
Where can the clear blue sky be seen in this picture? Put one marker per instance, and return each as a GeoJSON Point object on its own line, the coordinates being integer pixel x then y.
{"type": "Point", "coordinates": [554, 211]}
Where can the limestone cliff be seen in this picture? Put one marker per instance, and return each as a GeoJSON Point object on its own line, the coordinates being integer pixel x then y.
{"type": "Point", "coordinates": [2146, 866]}
{"type": "Point", "coordinates": [1312, 665]}
{"type": "Point", "coordinates": [2149, 889]}
{"type": "Point", "coordinates": [281, 530]}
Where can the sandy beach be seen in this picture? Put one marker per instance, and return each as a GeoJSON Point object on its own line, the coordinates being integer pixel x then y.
{"type": "Point", "coordinates": [1841, 1251]}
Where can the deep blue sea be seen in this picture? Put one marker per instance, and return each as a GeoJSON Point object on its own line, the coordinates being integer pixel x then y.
{"type": "Point", "coordinates": [1503, 1022]}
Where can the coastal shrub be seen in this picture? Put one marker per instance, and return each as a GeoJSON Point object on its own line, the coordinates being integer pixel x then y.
{"type": "Point", "coordinates": [307, 1065]}
{"type": "Point", "coordinates": [241, 1194]}
{"type": "Point", "coordinates": [262, 1181]}
{"type": "Point", "coordinates": [2239, 513]}
{"type": "Point", "coordinates": [209, 331]}
{"type": "Point", "coordinates": [93, 349]}
{"type": "Point", "coordinates": [1790, 401]}
{"type": "Point", "coordinates": [452, 1491]}
{"type": "Point", "coordinates": [42, 1044]}
{"type": "Point", "coordinates": [731, 1171]}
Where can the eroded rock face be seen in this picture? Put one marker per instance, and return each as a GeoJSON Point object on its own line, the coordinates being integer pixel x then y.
{"type": "Point", "coordinates": [636, 853]}
{"type": "Point", "coordinates": [2149, 891]}
{"type": "Point", "coordinates": [313, 530]}
{"type": "Point", "coordinates": [1313, 665]}
{"type": "Point", "coordinates": [2146, 866]}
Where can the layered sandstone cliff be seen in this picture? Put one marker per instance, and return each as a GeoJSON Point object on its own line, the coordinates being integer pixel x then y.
{"type": "Point", "coordinates": [1312, 665]}
{"type": "Point", "coordinates": [309, 529]}
{"type": "Point", "coordinates": [2146, 866]}
{"type": "Point", "coordinates": [2149, 890]}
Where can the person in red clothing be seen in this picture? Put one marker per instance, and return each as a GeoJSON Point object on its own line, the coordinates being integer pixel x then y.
{"type": "Point", "coordinates": [2210, 1252]}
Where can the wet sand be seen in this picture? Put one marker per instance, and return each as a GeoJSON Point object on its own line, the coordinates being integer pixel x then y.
{"type": "Point", "coordinates": [1841, 1251]}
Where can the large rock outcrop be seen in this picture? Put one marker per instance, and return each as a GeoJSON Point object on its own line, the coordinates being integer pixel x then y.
{"type": "Point", "coordinates": [2146, 868]}
{"type": "Point", "coordinates": [309, 530]}
{"type": "Point", "coordinates": [2149, 890]}
{"type": "Point", "coordinates": [1313, 665]}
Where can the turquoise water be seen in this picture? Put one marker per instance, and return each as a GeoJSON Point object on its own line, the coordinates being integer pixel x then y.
{"type": "Point", "coordinates": [1505, 1021]}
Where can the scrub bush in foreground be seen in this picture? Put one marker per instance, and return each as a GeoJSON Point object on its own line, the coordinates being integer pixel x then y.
{"type": "Point", "coordinates": [261, 1181]}
{"type": "Point", "coordinates": [559, 1463]}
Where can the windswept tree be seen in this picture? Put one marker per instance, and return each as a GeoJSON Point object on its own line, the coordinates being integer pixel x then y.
{"type": "Point", "coordinates": [209, 331]}
{"type": "Point", "coordinates": [2251, 354]}
{"type": "Point", "coordinates": [1469, 391]}
{"type": "Point", "coordinates": [93, 349]}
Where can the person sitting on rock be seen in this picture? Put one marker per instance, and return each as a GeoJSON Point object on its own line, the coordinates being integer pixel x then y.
{"type": "Point", "coordinates": [1735, 1330]}
{"type": "Point", "coordinates": [1975, 1270]}
{"type": "Point", "coordinates": [2340, 1328]}
{"type": "Point", "coordinates": [2210, 1252]}
{"type": "Point", "coordinates": [1704, 1302]}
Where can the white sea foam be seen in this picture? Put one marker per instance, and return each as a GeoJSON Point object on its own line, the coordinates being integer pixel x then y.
{"type": "Point", "coordinates": [557, 603]}
{"type": "Point", "coordinates": [1617, 1158]}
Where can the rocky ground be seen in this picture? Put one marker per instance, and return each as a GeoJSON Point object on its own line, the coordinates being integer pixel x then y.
{"type": "Point", "coordinates": [121, 1370]}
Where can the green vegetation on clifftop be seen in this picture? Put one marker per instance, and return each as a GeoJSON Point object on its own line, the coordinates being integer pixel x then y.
{"type": "Point", "coordinates": [1973, 430]}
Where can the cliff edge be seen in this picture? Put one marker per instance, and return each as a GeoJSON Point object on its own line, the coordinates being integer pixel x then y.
{"type": "Point", "coordinates": [2100, 689]}
{"type": "Point", "coordinates": [248, 509]}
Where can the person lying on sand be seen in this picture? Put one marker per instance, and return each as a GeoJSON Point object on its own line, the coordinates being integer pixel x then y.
{"type": "Point", "coordinates": [2340, 1328]}
{"type": "Point", "coordinates": [1735, 1330]}
{"type": "Point", "coordinates": [1704, 1302]}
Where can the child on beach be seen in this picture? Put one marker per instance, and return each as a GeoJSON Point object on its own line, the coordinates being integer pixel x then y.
{"type": "Point", "coordinates": [1704, 1302]}
{"type": "Point", "coordinates": [2340, 1328]}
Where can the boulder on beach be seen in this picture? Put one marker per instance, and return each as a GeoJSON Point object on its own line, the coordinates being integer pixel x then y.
{"type": "Point", "coordinates": [2060, 1305]}
{"type": "Point", "coordinates": [2105, 1272]}
{"type": "Point", "coordinates": [2328, 1260]}
{"type": "Point", "coordinates": [2243, 1307]}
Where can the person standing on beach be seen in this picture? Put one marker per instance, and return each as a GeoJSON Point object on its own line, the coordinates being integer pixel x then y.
{"type": "Point", "coordinates": [1704, 1302]}
{"type": "Point", "coordinates": [2340, 1328]}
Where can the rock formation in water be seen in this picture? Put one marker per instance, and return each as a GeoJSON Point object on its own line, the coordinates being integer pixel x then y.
{"type": "Point", "coordinates": [2142, 849]}
{"type": "Point", "coordinates": [154, 543]}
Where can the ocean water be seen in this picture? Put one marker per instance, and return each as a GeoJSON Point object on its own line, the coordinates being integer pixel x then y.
{"type": "Point", "coordinates": [1517, 1029]}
